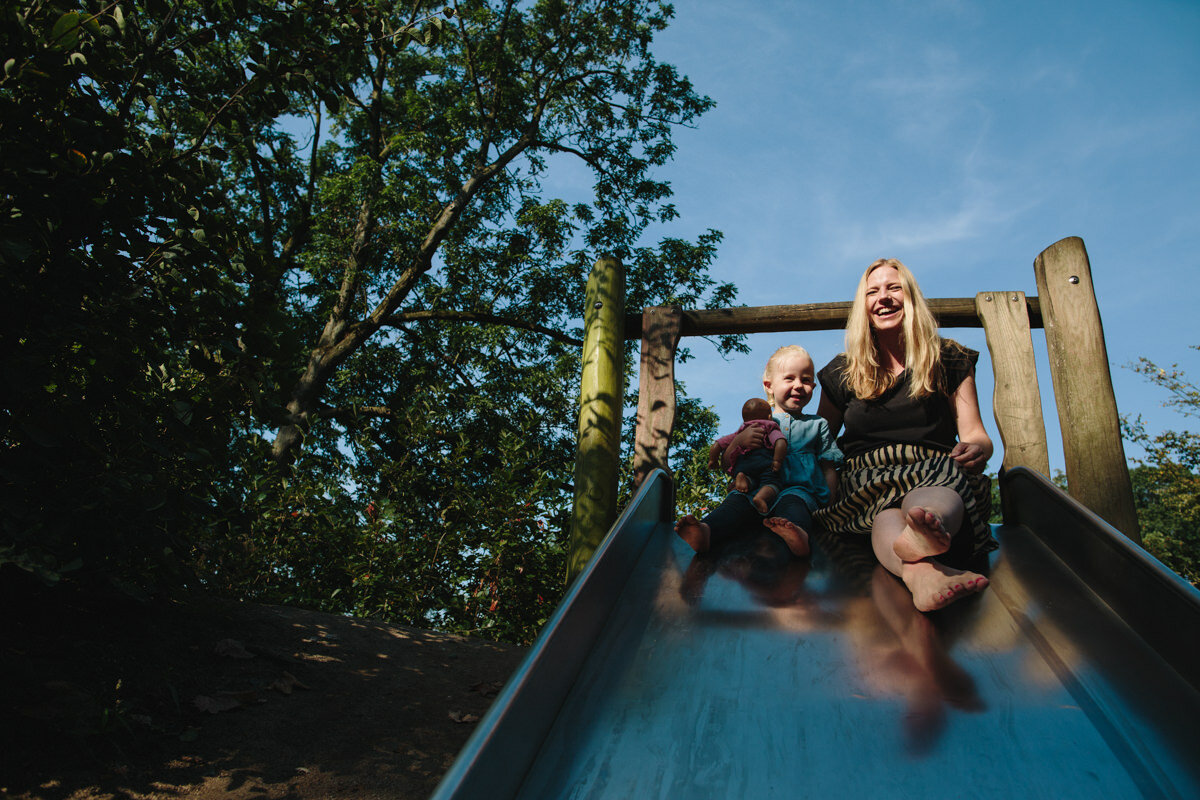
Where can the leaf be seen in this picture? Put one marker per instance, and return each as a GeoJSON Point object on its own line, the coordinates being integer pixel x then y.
{"type": "Point", "coordinates": [286, 683]}
{"type": "Point", "coordinates": [463, 718]}
{"type": "Point", "coordinates": [65, 34]}
{"type": "Point", "coordinates": [217, 704]}
{"type": "Point", "coordinates": [232, 648]}
{"type": "Point", "coordinates": [486, 688]}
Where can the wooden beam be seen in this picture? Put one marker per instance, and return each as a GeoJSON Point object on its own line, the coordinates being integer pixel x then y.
{"type": "Point", "coordinates": [953, 312]}
{"type": "Point", "coordinates": [1016, 401]}
{"type": "Point", "coordinates": [602, 397]}
{"type": "Point", "coordinates": [656, 390]}
{"type": "Point", "coordinates": [1097, 474]}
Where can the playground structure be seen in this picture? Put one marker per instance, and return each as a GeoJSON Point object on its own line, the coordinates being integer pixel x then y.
{"type": "Point", "coordinates": [750, 674]}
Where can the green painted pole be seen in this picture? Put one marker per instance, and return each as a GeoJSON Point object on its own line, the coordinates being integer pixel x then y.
{"type": "Point", "coordinates": [601, 400]}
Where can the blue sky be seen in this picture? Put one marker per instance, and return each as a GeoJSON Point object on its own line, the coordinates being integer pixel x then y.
{"type": "Point", "coordinates": [960, 137]}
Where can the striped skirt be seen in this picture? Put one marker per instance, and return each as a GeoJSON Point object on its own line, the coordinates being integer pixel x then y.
{"type": "Point", "coordinates": [880, 479]}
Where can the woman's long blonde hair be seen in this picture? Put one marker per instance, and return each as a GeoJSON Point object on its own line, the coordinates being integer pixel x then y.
{"type": "Point", "coordinates": [868, 378]}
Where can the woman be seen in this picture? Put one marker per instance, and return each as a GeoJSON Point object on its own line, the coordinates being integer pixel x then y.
{"type": "Point", "coordinates": [914, 442]}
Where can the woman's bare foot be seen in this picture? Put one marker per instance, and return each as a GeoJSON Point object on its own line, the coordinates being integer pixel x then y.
{"type": "Point", "coordinates": [741, 483]}
{"type": "Point", "coordinates": [923, 536]}
{"type": "Point", "coordinates": [795, 537]}
{"type": "Point", "coordinates": [694, 532]}
{"type": "Point", "coordinates": [934, 585]}
{"type": "Point", "coordinates": [764, 497]}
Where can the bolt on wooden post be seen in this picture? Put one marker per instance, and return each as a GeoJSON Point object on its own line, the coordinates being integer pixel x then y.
{"type": "Point", "coordinates": [1097, 475]}
{"type": "Point", "coordinates": [601, 400]}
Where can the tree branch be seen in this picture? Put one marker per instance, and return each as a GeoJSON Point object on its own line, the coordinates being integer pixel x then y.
{"type": "Point", "coordinates": [400, 319]}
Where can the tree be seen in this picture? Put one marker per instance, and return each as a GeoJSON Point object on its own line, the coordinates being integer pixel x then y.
{"type": "Point", "coordinates": [122, 374]}
{"type": "Point", "coordinates": [1166, 483]}
{"type": "Point", "coordinates": [431, 205]}
{"type": "Point", "coordinates": [192, 266]}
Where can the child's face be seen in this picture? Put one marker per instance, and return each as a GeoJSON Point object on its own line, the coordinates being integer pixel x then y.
{"type": "Point", "coordinates": [792, 383]}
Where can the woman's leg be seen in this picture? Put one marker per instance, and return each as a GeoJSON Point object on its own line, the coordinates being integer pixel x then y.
{"type": "Point", "coordinates": [922, 523]}
{"type": "Point", "coordinates": [932, 515]}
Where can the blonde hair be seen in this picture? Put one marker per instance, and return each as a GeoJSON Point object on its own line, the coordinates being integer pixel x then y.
{"type": "Point", "coordinates": [867, 377]}
{"type": "Point", "coordinates": [779, 355]}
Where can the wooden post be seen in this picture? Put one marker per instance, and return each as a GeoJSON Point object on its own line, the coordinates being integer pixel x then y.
{"type": "Point", "coordinates": [601, 399]}
{"type": "Point", "coordinates": [1016, 402]}
{"type": "Point", "coordinates": [1097, 474]}
{"type": "Point", "coordinates": [656, 390]}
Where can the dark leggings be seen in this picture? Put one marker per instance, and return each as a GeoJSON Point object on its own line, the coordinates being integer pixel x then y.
{"type": "Point", "coordinates": [736, 515]}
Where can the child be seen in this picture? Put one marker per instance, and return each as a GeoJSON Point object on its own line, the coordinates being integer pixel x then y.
{"type": "Point", "coordinates": [754, 467]}
{"type": "Point", "coordinates": [809, 473]}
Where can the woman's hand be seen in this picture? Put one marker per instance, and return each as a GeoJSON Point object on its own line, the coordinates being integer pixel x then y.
{"type": "Point", "coordinates": [970, 456]}
{"type": "Point", "coordinates": [974, 446]}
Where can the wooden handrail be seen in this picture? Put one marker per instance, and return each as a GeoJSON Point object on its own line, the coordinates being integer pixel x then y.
{"type": "Point", "coordinates": [951, 312]}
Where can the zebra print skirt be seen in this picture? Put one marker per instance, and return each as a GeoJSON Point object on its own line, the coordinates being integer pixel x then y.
{"type": "Point", "coordinates": [880, 479]}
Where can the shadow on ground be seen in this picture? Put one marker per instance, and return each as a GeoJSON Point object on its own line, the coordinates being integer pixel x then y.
{"type": "Point", "coordinates": [209, 698]}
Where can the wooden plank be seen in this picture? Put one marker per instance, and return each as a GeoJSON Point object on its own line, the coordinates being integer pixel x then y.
{"type": "Point", "coordinates": [1097, 474]}
{"type": "Point", "coordinates": [602, 397]}
{"type": "Point", "coordinates": [952, 312]}
{"type": "Point", "coordinates": [1016, 401]}
{"type": "Point", "coordinates": [656, 391]}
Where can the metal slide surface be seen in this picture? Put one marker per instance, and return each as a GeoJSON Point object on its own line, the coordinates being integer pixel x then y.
{"type": "Point", "coordinates": [751, 675]}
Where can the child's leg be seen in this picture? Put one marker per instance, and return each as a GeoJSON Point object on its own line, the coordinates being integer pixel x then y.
{"type": "Point", "coordinates": [725, 521]}
{"type": "Point", "coordinates": [741, 482]}
{"type": "Point", "coordinates": [790, 520]}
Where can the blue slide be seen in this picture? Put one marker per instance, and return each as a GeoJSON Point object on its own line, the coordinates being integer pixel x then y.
{"type": "Point", "coordinates": [747, 674]}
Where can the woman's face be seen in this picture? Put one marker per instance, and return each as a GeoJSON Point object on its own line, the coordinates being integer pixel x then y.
{"type": "Point", "coordinates": [885, 299]}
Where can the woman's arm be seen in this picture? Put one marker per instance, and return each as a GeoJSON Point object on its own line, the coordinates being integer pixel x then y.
{"type": "Point", "coordinates": [831, 414]}
{"type": "Point", "coordinates": [831, 479]}
{"type": "Point", "coordinates": [974, 446]}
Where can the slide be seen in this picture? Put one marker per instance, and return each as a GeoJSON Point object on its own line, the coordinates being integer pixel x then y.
{"type": "Point", "coordinates": [746, 674]}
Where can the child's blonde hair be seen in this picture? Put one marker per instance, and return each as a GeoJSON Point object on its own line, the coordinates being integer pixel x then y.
{"type": "Point", "coordinates": [867, 377]}
{"type": "Point", "coordinates": [773, 363]}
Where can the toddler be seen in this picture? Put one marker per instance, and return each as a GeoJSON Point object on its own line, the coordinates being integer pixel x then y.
{"type": "Point", "coordinates": [809, 465]}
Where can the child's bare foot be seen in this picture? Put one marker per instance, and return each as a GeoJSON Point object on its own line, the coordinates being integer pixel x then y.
{"type": "Point", "coordinates": [795, 537]}
{"type": "Point", "coordinates": [741, 483]}
{"type": "Point", "coordinates": [694, 532]}
{"type": "Point", "coordinates": [923, 536]}
{"type": "Point", "coordinates": [934, 585]}
{"type": "Point", "coordinates": [764, 497]}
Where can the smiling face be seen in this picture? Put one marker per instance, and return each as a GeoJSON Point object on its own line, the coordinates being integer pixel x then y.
{"type": "Point", "coordinates": [885, 298]}
{"type": "Point", "coordinates": [791, 382]}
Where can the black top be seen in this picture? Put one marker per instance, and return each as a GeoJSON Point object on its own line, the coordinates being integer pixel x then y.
{"type": "Point", "coordinates": [894, 417]}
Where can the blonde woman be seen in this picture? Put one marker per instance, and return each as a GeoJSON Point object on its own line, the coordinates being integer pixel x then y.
{"type": "Point", "coordinates": [914, 442]}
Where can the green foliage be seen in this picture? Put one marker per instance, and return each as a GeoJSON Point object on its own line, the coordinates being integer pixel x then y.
{"type": "Point", "coordinates": [327, 220]}
{"type": "Point", "coordinates": [1166, 483]}
{"type": "Point", "coordinates": [122, 377]}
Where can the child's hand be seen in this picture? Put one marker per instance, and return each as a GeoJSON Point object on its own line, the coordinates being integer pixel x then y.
{"type": "Point", "coordinates": [751, 438]}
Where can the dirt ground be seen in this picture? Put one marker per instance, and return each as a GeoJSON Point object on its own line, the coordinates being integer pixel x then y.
{"type": "Point", "coordinates": [207, 698]}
